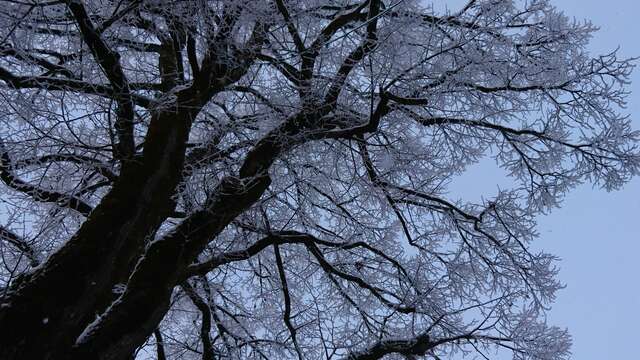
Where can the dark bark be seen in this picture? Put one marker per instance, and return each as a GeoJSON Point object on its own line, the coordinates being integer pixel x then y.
{"type": "Point", "coordinates": [109, 61]}
{"type": "Point", "coordinates": [418, 346]}
{"type": "Point", "coordinates": [134, 315]}
{"type": "Point", "coordinates": [20, 244]}
{"type": "Point", "coordinates": [205, 323]}
{"type": "Point", "coordinates": [77, 280]}
{"type": "Point", "coordinates": [159, 345]}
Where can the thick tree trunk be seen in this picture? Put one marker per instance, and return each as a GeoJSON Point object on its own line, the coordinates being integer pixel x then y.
{"type": "Point", "coordinates": [65, 309]}
{"type": "Point", "coordinates": [134, 315]}
{"type": "Point", "coordinates": [43, 312]}
{"type": "Point", "coordinates": [51, 312]}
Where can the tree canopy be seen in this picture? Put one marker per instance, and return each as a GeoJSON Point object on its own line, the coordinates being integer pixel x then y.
{"type": "Point", "coordinates": [210, 179]}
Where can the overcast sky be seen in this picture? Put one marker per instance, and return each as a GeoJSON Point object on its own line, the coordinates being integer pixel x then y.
{"type": "Point", "coordinates": [595, 233]}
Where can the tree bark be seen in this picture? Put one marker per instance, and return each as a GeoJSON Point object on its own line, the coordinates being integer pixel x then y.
{"type": "Point", "coordinates": [45, 310]}
{"type": "Point", "coordinates": [51, 312]}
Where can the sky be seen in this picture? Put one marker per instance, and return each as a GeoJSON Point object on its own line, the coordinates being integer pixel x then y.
{"type": "Point", "coordinates": [595, 233]}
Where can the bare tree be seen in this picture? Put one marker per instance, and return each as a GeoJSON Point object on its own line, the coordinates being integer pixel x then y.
{"type": "Point", "coordinates": [268, 179]}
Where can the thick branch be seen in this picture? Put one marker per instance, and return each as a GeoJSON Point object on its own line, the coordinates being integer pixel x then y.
{"type": "Point", "coordinates": [109, 61]}
{"type": "Point", "coordinates": [58, 84]}
{"type": "Point", "coordinates": [417, 346]}
{"type": "Point", "coordinates": [290, 26]}
{"type": "Point", "coordinates": [159, 345]}
{"type": "Point", "coordinates": [20, 244]}
{"type": "Point", "coordinates": [102, 168]}
{"type": "Point", "coordinates": [287, 299]}
{"type": "Point", "coordinates": [359, 53]}
{"type": "Point", "coordinates": [205, 328]}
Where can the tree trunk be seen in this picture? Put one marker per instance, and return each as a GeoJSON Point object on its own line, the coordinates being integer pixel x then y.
{"type": "Point", "coordinates": [66, 309]}
{"type": "Point", "coordinates": [44, 311]}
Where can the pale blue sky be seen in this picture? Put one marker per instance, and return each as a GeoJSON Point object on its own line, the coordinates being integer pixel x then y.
{"type": "Point", "coordinates": [595, 233]}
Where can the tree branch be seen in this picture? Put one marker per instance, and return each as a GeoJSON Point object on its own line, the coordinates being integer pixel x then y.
{"type": "Point", "coordinates": [58, 84]}
{"type": "Point", "coordinates": [36, 193]}
{"type": "Point", "coordinates": [418, 346]}
{"type": "Point", "coordinates": [109, 61]}
{"type": "Point", "coordinates": [20, 244]}
{"type": "Point", "coordinates": [205, 328]}
{"type": "Point", "coordinates": [287, 299]}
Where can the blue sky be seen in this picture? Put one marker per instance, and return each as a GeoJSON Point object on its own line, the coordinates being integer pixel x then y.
{"type": "Point", "coordinates": [595, 233]}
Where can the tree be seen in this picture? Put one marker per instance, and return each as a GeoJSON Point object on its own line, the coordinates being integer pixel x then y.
{"type": "Point", "coordinates": [268, 179]}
